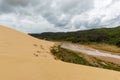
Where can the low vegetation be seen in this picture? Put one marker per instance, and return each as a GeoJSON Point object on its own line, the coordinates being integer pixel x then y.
{"type": "Point", "coordinates": [104, 35]}
{"type": "Point", "coordinates": [68, 56]}
{"type": "Point", "coordinates": [78, 58]}
{"type": "Point", "coordinates": [107, 39]}
{"type": "Point", "coordinates": [105, 47]}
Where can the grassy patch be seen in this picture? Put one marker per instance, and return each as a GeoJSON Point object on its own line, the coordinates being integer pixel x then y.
{"type": "Point", "coordinates": [107, 65]}
{"type": "Point", "coordinates": [73, 57]}
{"type": "Point", "coordinates": [105, 47]}
{"type": "Point", "coordinates": [68, 56]}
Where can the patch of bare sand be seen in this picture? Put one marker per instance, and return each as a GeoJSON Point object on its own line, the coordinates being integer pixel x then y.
{"type": "Point", "coordinates": [23, 57]}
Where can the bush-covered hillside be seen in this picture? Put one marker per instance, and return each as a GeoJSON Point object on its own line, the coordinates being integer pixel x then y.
{"type": "Point", "coordinates": [103, 35]}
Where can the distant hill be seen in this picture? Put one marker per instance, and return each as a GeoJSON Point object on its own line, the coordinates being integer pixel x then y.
{"type": "Point", "coordinates": [102, 35]}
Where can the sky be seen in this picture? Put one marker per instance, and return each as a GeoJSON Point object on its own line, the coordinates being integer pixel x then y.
{"type": "Point", "coordinates": [36, 16]}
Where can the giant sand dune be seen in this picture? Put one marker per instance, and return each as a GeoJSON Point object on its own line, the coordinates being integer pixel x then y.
{"type": "Point", "coordinates": [23, 57]}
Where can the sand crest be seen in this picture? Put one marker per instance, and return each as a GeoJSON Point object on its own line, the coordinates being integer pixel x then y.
{"type": "Point", "coordinates": [23, 57]}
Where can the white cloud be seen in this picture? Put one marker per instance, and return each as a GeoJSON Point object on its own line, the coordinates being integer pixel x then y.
{"type": "Point", "coordinates": [59, 15]}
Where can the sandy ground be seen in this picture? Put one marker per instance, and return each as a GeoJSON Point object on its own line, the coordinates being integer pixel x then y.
{"type": "Point", "coordinates": [23, 57]}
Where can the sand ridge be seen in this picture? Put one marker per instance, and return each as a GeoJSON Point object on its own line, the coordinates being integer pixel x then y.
{"type": "Point", "coordinates": [23, 57]}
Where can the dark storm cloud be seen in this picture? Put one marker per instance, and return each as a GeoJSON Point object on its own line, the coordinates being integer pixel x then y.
{"type": "Point", "coordinates": [59, 15]}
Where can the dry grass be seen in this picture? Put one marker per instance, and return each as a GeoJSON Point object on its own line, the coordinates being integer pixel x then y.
{"type": "Point", "coordinates": [105, 47]}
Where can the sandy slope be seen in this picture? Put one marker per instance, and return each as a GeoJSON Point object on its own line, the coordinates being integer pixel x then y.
{"type": "Point", "coordinates": [23, 57]}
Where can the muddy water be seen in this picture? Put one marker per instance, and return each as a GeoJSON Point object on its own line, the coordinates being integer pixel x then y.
{"type": "Point", "coordinates": [88, 51]}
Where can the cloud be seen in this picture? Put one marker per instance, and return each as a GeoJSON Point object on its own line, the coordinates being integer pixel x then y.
{"type": "Point", "coordinates": [59, 15]}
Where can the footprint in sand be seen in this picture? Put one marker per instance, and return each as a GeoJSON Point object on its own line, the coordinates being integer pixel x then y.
{"type": "Point", "coordinates": [35, 45]}
{"type": "Point", "coordinates": [35, 54]}
{"type": "Point", "coordinates": [38, 51]}
{"type": "Point", "coordinates": [41, 47]}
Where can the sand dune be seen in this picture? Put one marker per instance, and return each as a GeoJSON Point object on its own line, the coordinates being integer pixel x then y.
{"type": "Point", "coordinates": [23, 57]}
